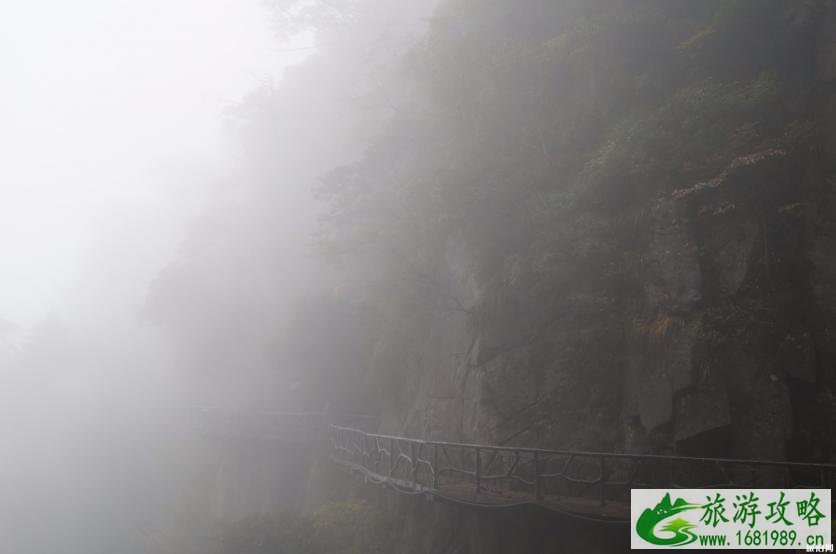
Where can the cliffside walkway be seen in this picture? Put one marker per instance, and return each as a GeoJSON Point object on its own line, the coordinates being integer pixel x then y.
{"type": "Point", "coordinates": [588, 485]}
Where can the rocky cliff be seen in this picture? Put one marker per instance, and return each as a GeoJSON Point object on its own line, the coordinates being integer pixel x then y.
{"type": "Point", "coordinates": [665, 279]}
{"type": "Point", "coordinates": [583, 224]}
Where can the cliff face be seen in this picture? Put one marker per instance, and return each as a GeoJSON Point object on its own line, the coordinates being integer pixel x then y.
{"type": "Point", "coordinates": [823, 247]}
{"type": "Point", "coordinates": [588, 225]}
{"type": "Point", "coordinates": [701, 318]}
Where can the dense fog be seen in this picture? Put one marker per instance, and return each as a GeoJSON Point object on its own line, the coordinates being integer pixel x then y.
{"type": "Point", "coordinates": [578, 225]}
{"type": "Point", "coordinates": [158, 161]}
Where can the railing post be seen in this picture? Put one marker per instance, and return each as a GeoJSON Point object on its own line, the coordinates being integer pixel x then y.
{"type": "Point", "coordinates": [366, 450]}
{"type": "Point", "coordinates": [391, 457]}
{"type": "Point", "coordinates": [435, 466]}
{"type": "Point", "coordinates": [603, 477]}
{"type": "Point", "coordinates": [538, 486]}
{"type": "Point", "coordinates": [413, 454]}
{"type": "Point", "coordinates": [478, 471]}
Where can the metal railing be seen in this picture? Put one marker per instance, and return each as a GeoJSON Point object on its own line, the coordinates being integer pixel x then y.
{"type": "Point", "coordinates": [583, 482]}
{"type": "Point", "coordinates": [594, 484]}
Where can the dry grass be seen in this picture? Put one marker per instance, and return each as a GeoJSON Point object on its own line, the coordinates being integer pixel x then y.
{"type": "Point", "coordinates": [656, 330]}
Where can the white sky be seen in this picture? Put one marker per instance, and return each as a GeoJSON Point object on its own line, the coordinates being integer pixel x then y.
{"type": "Point", "coordinates": [108, 109]}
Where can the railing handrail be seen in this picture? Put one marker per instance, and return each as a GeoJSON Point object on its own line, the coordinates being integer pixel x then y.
{"type": "Point", "coordinates": [505, 476]}
{"type": "Point", "coordinates": [594, 454]}
{"type": "Point", "coordinates": [563, 480]}
{"type": "Point", "coordinates": [521, 449]}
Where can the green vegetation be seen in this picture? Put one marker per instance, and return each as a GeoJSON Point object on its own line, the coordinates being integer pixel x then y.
{"type": "Point", "coordinates": [560, 194]}
{"type": "Point", "coordinates": [539, 141]}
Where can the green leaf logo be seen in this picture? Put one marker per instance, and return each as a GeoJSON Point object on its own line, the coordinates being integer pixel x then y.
{"type": "Point", "coordinates": [681, 529]}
